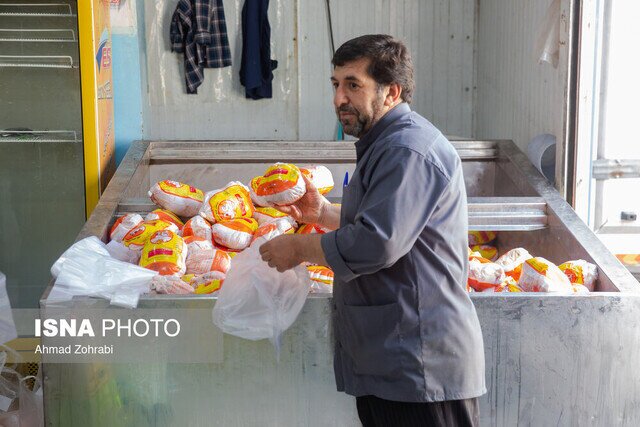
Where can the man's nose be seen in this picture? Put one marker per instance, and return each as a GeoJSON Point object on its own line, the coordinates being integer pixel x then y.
{"type": "Point", "coordinates": [340, 98]}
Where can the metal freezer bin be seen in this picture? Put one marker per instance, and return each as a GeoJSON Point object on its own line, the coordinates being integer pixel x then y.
{"type": "Point", "coordinates": [549, 359]}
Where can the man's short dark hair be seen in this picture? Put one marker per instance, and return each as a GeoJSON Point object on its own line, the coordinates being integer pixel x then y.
{"type": "Point", "coordinates": [390, 60]}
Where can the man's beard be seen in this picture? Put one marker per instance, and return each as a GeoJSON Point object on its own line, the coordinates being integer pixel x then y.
{"type": "Point", "coordinates": [363, 122]}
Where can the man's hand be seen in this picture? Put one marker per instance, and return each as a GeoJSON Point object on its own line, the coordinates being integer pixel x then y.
{"type": "Point", "coordinates": [281, 252]}
{"type": "Point", "coordinates": [310, 208]}
{"type": "Point", "coordinates": [290, 250]}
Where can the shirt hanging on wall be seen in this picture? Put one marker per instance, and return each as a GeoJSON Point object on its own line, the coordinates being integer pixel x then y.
{"type": "Point", "coordinates": [198, 30]}
{"type": "Point", "coordinates": [256, 70]}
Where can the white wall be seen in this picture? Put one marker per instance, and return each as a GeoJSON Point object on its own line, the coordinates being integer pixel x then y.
{"type": "Point", "coordinates": [439, 33]}
{"type": "Point", "coordinates": [517, 98]}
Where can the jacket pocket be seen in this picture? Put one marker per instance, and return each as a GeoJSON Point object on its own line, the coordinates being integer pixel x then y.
{"type": "Point", "coordinates": [370, 337]}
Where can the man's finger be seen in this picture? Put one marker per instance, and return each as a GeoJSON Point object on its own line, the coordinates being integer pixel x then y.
{"type": "Point", "coordinates": [309, 184]}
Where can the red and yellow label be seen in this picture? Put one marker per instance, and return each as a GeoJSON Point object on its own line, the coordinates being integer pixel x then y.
{"type": "Point", "coordinates": [231, 203]}
{"type": "Point", "coordinates": [208, 288]}
{"type": "Point", "coordinates": [138, 236]}
{"type": "Point", "coordinates": [321, 274]}
{"type": "Point", "coordinates": [244, 225]}
{"type": "Point", "coordinates": [163, 253]}
{"type": "Point", "coordinates": [179, 189]}
{"type": "Point", "coordinates": [270, 212]}
{"type": "Point", "coordinates": [269, 228]}
{"type": "Point", "coordinates": [539, 266]}
{"type": "Point", "coordinates": [310, 229]}
{"type": "Point", "coordinates": [488, 252]}
{"type": "Point", "coordinates": [573, 272]}
{"type": "Point", "coordinates": [278, 178]}
{"type": "Point", "coordinates": [515, 273]}
{"type": "Point", "coordinates": [481, 237]}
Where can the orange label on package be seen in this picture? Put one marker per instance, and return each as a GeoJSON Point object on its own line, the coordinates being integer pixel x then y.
{"type": "Point", "coordinates": [271, 212]}
{"type": "Point", "coordinates": [233, 202]}
{"type": "Point", "coordinates": [573, 272]}
{"type": "Point", "coordinates": [163, 253]}
{"type": "Point", "coordinates": [245, 225]}
{"type": "Point", "coordinates": [322, 274]}
{"type": "Point", "coordinates": [278, 178]}
{"type": "Point", "coordinates": [181, 190]}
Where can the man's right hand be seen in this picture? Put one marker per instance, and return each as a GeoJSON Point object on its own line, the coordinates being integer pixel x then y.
{"type": "Point", "coordinates": [310, 209]}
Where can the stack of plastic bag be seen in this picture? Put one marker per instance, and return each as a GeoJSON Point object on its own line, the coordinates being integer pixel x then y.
{"type": "Point", "coordinates": [87, 269]}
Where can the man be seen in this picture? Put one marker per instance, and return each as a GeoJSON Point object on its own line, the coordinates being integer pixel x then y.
{"type": "Point", "coordinates": [408, 340]}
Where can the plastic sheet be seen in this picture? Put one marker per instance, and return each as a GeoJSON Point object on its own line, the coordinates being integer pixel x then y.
{"type": "Point", "coordinates": [548, 43]}
{"type": "Point", "coordinates": [87, 269]}
{"type": "Point", "coordinates": [258, 302]}
{"type": "Point", "coordinates": [7, 325]}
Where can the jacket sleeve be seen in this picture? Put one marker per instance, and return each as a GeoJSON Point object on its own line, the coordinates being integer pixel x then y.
{"type": "Point", "coordinates": [403, 192]}
{"type": "Point", "coordinates": [203, 11]}
{"type": "Point", "coordinates": [176, 30]}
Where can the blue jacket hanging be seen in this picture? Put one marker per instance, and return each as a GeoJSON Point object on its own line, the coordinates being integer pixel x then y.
{"type": "Point", "coordinates": [256, 69]}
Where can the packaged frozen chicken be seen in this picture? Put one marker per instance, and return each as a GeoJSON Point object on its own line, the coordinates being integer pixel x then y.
{"type": "Point", "coordinates": [580, 272]}
{"type": "Point", "coordinates": [272, 229]}
{"type": "Point", "coordinates": [577, 289]}
{"type": "Point", "coordinates": [509, 285]}
{"type": "Point", "coordinates": [137, 237]}
{"type": "Point", "coordinates": [234, 234]}
{"type": "Point", "coordinates": [123, 225]}
{"type": "Point", "coordinates": [202, 257]}
{"type": "Point", "coordinates": [481, 237]}
{"type": "Point", "coordinates": [231, 202]}
{"type": "Point", "coordinates": [320, 176]}
{"type": "Point", "coordinates": [267, 214]}
{"type": "Point", "coordinates": [512, 261]}
{"type": "Point", "coordinates": [541, 275]}
{"type": "Point", "coordinates": [197, 226]}
{"type": "Point", "coordinates": [170, 285]}
{"type": "Point", "coordinates": [486, 251]}
{"type": "Point", "coordinates": [321, 278]}
{"type": "Point", "coordinates": [166, 253]}
{"type": "Point", "coordinates": [179, 198]}
{"type": "Point", "coordinates": [281, 184]}
{"type": "Point", "coordinates": [484, 274]}
{"type": "Point", "coordinates": [165, 215]}
{"type": "Point", "coordinates": [208, 283]}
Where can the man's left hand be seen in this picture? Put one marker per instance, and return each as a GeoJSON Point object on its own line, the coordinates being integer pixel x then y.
{"type": "Point", "coordinates": [282, 252]}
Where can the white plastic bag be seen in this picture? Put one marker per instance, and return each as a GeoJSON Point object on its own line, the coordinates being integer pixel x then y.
{"type": "Point", "coordinates": [92, 272]}
{"type": "Point", "coordinates": [90, 246]}
{"type": "Point", "coordinates": [256, 301]}
{"type": "Point", "coordinates": [7, 326]}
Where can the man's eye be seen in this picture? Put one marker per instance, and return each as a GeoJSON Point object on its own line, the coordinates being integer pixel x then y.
{"type": "Point", "coordinates": [353, 86]}
{"type": "Point", "coordinates": [335, 85]}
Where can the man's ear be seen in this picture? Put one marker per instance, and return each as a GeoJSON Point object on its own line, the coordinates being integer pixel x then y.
{"type": "Point", "coordinates": [393, 96]}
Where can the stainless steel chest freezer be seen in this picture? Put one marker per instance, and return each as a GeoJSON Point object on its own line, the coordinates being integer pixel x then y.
{"type": "Point", "coordinates": [550, 360]}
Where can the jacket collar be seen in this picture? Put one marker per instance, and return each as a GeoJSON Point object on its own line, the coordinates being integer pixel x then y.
{"type": "Point", "coordinates": [370, 137]}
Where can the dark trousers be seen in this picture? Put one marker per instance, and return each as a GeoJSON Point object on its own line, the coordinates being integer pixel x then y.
{"type": "Point", "coordinates": [376, 412]}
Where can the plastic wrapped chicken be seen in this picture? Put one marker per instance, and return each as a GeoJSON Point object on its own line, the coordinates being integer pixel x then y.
{"type": "Point", "coordinates": [234, 234]}
{"type": "Point", "coordinates": [202, 257]}
{"type": "Point", "coordinates": [486, 251]}
{"type": "Point", "coordinates": [281, 184]}
{"type": "Point", "coordinates": [170, 285]}
{"type": "Point", "coordinates": [231, 202]}
{"type": "Point", "coordinates": [311, 229]}
{"type": "Point", "coordinates": [123, 225]}
{"type": "Point", "coordinates": [321, 278]}
{"type": "Point", "coordinates": [197, 226]}
{"type": "Point", "coordinates": [320, 176]}
{"type": "Point", "coordinates": [273, 229]}
{"type": "Point", "coordinates": [165, 215]}
{"type": "Point", "coordinates": [580, 272]}
{"type": "Point", "coordinates": [166, 253]}
{"type": "Point", "coordinates": [484, 274]}
{"type": "Point", "coordinates": [540, 275]}
{"type": "Point", "coordinates": [208, 283]}
{"type": "Point", "coordinates": [512, 262]}
{"type": "Point", "coordinates": [137, 237]}
{"type": "Point", "coordinates": [179, 198]}
{"type": "Point", "coordinates": [481, 237]}
{"type": "Point", "coordinates": [267, 214]}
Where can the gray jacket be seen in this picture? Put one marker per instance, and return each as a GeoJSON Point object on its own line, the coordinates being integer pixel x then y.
{"type": "Point", "coordinates": [405, 328]}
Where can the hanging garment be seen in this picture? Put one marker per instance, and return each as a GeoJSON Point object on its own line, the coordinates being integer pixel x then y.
{"type": "Point", "coordinates": [256, 70]}
{"type": "Point", "coordinates": [198, 30]}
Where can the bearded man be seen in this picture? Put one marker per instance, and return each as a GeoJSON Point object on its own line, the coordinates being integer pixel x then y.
{"type": "Point", "coordinates": [408, 343]}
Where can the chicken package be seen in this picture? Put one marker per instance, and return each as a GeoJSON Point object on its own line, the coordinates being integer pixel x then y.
{"type": "Point", "coordinates": [179, 198]}
{"type": "Point", "coordinates": [540, 275]}
{"type": "Point", "coordinates": [137, 237]}
{"type": "Point", "coordinates": [577, 289]}
{"type": "Point", "coordinates": [170, 285]}
{"type": "Point", "coordinates": [486, 251]}
{"type": "Point", "coordinates": [165, 215]}
{"type": "Point", "coordinates": [231, 202]}
{"type": "Point", "coordinates": [512, 262]}
{"type": "Point", "coordinates": [281, 184]}
{"type": "Point", "coordinates": [311, 229]}
{"type": "Point", "coordinates": [208, 283]}
{"type": "Point", "coordinates": [202, 257]}
{"type": "Point", "coordinates": [508, 286]}
{"type": "Point", "coordinates": [273, 229]}
{"type": "Point", "coordinates": [120, 252]}
{"type": "Point", "coordinates": [321, 278]}
{"type": "Point", "coordinates": [267, 214]}
{"type": "Point", "coordinates": [166, 253]}
{"type": "Point", "coordinates": [320, 176]}
{"type": "Point", "coordinates": [197, 226]}
{"type": "Point", "coordinates": [484, 274]}
{"type": "Point", "coordinates": [580, 272]}
{"type": "Point", "coordinates": [481, 237]}
{"type": "Point", "coordinates": [123, 225]}
{"type": "Point", "coordinates": [234, 234]}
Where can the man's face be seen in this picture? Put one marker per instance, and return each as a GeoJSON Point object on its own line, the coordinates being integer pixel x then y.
{"type": "Point", "coordinates": [358, 99]}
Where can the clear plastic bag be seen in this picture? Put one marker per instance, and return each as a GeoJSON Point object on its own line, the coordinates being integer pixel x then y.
{"type": "Point", "coordinates": [7, 326]}
{"type": "Point", "coordinates": [88, 270]}
{"type": "Point", "coordinates": [31, 404]}
{"type": "Point", "coordinates": [256, 301]}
